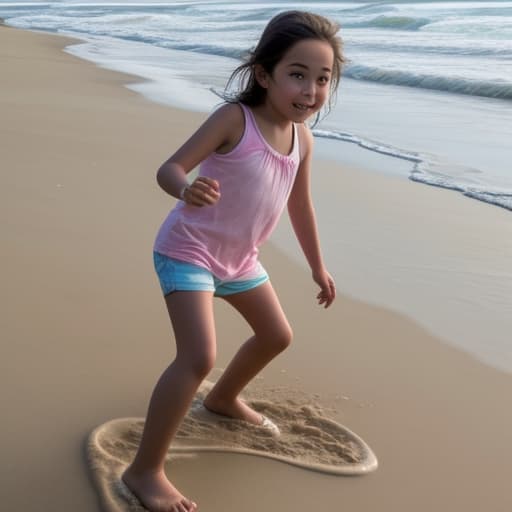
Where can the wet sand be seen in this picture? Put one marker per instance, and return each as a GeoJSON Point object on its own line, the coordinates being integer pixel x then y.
{"type": "Point", "coordinates": [85, 332]}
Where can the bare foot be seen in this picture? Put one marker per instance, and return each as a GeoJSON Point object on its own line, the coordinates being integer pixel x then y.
{"type": "Point", "coordinates": [238, 410]}
{"type": "Point", "coordinates": [156, 493]}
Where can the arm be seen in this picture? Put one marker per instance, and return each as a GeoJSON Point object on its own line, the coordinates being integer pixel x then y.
{"type": "Point", "coordinates": [219, 132]}
{"type": "Point", "coordinates": [303, 219]}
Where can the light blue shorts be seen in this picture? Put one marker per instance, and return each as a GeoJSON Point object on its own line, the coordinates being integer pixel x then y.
{"type": "Point", "coordinates": [176, 275]}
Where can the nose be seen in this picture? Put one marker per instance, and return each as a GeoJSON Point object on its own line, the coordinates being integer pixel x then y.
{"type": "Point", "coordinates": [308, 88]}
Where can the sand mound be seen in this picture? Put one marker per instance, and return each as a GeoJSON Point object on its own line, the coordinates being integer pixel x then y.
{"type": "Point", "coordinates": [308, 439]}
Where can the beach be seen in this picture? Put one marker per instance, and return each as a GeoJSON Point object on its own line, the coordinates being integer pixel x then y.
{"type": "Point", "coordinates": [85, 333]}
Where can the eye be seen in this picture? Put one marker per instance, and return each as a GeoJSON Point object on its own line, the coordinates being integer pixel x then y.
{"type": "Point", "coordinates": [323, 80]}
{"type": "Point", "coordinates": [298, 75]}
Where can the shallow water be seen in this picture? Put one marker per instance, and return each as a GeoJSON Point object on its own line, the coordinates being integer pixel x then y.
{"type": "Point", "coordinates": [427, 79]}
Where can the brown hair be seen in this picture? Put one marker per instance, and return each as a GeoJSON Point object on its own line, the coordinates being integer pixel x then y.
{"type": "Point", "coordinates": [281, 33]}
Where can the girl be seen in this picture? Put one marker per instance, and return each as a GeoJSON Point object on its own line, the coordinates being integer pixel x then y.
{"type": "Point", "coordinates": [255, 154]}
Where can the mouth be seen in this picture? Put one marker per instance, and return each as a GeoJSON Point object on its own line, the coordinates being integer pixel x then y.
{"type": "Point", "coordinates": [302, 107]}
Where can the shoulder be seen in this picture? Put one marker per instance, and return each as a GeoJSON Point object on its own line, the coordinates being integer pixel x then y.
{"type": "Point", "coordinates": [228, 115]}
{"type": "Point", "coordinates": [230, 112]}
{"type": "Point", "coordinates": [306, 140]}
{"type": "Point", "coordinates": [229, 119]}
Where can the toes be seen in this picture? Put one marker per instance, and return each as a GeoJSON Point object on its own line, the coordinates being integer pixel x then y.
{"type": "Point", "coordinates": [189, 506]}
{"type": "Point", "coordinates": [185, 506]}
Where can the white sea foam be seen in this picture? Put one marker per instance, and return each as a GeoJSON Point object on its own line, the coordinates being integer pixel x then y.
{"type": "Point", "coordinates": [456, 84]}
{"type": "Point", "coordinates": [405, 49]}
{"type": "Point", "coordinates": [436, 137]}
{"type": "Point", "coordinates": [426, 169]}
{"type": "Point", "coordinates": [389, 32]}
{"type": "Point", "coordinates": [169, 70]}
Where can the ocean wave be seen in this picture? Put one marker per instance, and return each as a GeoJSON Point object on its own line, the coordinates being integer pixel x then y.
{"type": "Point", "coordinates": [259, 15]}
{"type": "Point", "coordinates": [458, 85]}
{"type": "Point", "coordinates": [390, 22]}
{"type": "Point", "coordinates": [375, 8]}
{"type": "Point", "coordinates": [503, 200]}
{"type": "Point", "coordinates": [377, 147]}
{"type": "Point", "coordinates": [421, 174]}
{"type": "Point", "coordinates": [429, 172]}
{"type": "Point", "coordinates": [209, 49]}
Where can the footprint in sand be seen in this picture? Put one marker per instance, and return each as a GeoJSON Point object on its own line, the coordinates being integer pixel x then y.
{"type": "Point", "coordinates": [306, 439]}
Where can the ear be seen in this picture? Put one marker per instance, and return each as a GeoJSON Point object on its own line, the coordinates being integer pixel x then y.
{"type": "Point", "coordinates": [262, 77]}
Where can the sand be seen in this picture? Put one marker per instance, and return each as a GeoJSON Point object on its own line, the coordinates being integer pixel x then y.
{"type": "Point", "coordinates": [85, 333]}
{"type": "Point", "coordinates": [297, 434]}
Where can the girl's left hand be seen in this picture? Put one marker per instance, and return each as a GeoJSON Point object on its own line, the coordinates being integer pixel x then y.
{"type": "Point", "coordinates": [327, 288]}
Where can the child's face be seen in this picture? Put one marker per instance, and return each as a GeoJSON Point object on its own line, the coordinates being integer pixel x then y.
{"type": "Point", "coordinates": [300, 83]}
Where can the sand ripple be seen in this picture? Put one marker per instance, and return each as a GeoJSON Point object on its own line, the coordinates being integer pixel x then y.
{"type": "Point", "coordinates": [308, 439]}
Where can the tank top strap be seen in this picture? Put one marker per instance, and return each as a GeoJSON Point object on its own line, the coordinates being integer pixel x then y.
{"type": "Point", "coordinates": [296, 152]}
{"type": "Point", "coordinates": [251, 128]}
{"type": "Point", "coordinates": [253, 132]}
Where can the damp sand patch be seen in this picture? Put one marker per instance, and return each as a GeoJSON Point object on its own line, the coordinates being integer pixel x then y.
{"type": "Point", "coordinates": [307, 439]}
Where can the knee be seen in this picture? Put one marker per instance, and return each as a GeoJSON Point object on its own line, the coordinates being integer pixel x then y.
{"type": "Point", "coordinates": [202, 365]}
{"type": "Point", "coordinates": [197, 365]}
{"type": "Point", "coordinates": [282, 338]}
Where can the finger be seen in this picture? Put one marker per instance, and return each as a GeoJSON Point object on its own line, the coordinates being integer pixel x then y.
{"type": "Point", "coordinates": [201, 196]}
{"type": "Point", "coordinates": [191, 198]}
{"type": "Point", "coordinates": [327, 297]}
{"type": "Point", "coordinates": [200, 184]}
{"type": "Point", "coordinates": [208, 192]}
{"type": "Point", "coordinates": [201, 189]}
{"type": "Point", "coordinates": [329, 300]}
{"type": "Point", "coordinates": [210, 182]}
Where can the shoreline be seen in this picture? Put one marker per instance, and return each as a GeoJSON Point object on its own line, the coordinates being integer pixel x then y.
{"type": "Point", "coordinates": [394, 170]}
{"type": "Point", "coordinates": [86, 331]}
{"type": "Point", "coordinates": [358, 148]}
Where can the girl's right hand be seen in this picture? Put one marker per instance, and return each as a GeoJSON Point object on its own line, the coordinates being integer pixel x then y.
{"type": "Point", "coordinates": [203, 191]}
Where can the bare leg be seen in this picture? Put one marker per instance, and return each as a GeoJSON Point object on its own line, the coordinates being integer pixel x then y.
{"type": "Point", "coordinates": [192, 320]}
{"type": "Point", "coordinates": [272, 334]}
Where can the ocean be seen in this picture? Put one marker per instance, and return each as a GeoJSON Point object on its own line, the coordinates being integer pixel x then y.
{"type": "Point", "coordinates": [428, 84]}
{"type": "Point", "coordinates": [426, 95]}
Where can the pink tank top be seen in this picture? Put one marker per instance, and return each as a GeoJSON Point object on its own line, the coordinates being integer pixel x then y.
{"type": "Point", "coordinates": [255, 183]}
